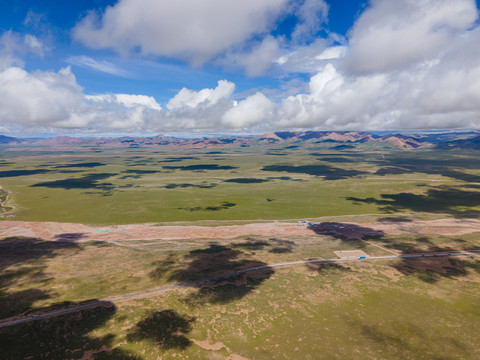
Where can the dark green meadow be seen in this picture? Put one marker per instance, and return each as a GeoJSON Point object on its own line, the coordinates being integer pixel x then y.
{"type": "Point", "coordinates": [166, 184]}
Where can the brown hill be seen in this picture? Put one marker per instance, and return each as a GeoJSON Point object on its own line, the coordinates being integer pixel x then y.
{"type": "Point", "coordinates": [350, 137]}
{"type": "Point", "coordinates": [269, 138]}
{"type": "Point", "coordinates": [467, 144]}
{"type": "Point", "coordinates": [60, 140]}
{"type": "Point", "coordinates": [402, 141]}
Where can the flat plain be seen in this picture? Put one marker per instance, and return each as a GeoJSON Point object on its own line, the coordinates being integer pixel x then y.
{"type": "Point", "coordinates": [145, 185]}
{"type": "Point", "coordinates": [388, 309]}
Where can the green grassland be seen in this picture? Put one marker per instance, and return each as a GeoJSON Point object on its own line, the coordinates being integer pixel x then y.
{"type": "Point", "coordinates": [409, 309]}
{"type": "Point", "coordinates": [308, 180]}
{"type": "Point", "coordinates": [402, 309]}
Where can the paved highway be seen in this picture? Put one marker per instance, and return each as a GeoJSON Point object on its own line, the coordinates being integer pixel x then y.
{"type": "Point", "coordinates": [107, 302]}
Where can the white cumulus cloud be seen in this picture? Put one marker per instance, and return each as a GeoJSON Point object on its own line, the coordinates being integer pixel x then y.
{"type": "Point", "coordinates": [257, 60]}
{"type": "Point", "coordinates": [39, 98]}
{"type": "Point", "coordinates": [128, 100]}
{"type": "Point", "coordinates": [191, 30]}
{"type": "Point", "coordinates": [247, 113]}
{"type": "Point", "coordinates": [189, 99]}
{"type": "Point", "coordinates": [13, 46]}
{"type": "Point", "coordinates": [312, 14]}
{"type": "Point", "coordinates": [53, 100]}
{"type": "Point", "coordinates": [407, 65]}
{"type": "Point", "coordinates": [394, 34]}
{"type": "Point", "coordinates": [333, 52]}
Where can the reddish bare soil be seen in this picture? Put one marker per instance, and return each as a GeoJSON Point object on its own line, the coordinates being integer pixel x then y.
{"type": "Point", "coordinates": [439, 226]}
{"type": "Point", "coordinates": [80, 232]}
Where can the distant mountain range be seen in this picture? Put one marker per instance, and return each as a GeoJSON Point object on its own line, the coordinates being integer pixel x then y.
{"type": "Point", "coordinates": [340, 139]}
{"type": "Point", "coordinates": [7, 139]}
{"type": "Point", "coordinates": [397, 140]}
{"type": "Point", "coordinates": [472, 143]}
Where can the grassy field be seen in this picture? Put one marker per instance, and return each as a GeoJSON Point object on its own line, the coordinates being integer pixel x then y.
{"type": "Point", "coordinates": [257, 183]}
{"type": "Point", "coordinates": [412, 309]}
{"type": "Point", "coordinates": [402, 309]}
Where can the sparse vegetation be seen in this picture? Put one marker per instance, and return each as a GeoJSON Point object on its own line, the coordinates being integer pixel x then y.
{"type": "Point", "coordinates": [386, 308]}
{"type": "Point", "coordinates": [358, 310]}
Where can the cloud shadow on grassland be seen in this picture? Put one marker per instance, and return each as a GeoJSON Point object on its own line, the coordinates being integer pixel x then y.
{"type": "Point", "coordinates": [338, 160]}
{"type": "Point", "coordinates": [431, 163]}
{"type": "Point", "coordinates": [22, 259]}
{"type": "Point", "coordinates": [140, 172]}
{"type": "Point", "coordinates": [70, 237]}
{"type": "Point", "coordinates": [214, 272]}
{"type": "Point", "coordinates": [433, 269]}
{"type": "Point", "coordinates": [454, 174]}
{"type": "Point", "coordinates": [345, 232]}
{"type": "Point", "coordinates": [166, 329]}
{"type": "Point", "coordinates": [328, 172]}
{"type": "Point", "coordinates": [389, 337]}
{"type": "Point", "coordinates": [436, 164]}
{"type": "Point", "coordinates": [88, 181]}
{"type": "Point", "coordinates": [327, 269]}
{"type": "Point", "coordinates": [201, 167]}
{"type": "Point", "coordinates": [275, 246]}
{"type": "Point", "coordinates": [223, 206]}
{"type": "Point", "coordinates": [15, 173]}
{"type": "Point", "coordinates": [435, 200]}
{"type": "Point", "coordinates": [81, 165]}
{"type": "Point", "coordinates": [13, 303]}
{"type": "Point", "coordinates": [62, 337]}
{"type": "Point", "coordinates": [20, 250]}
{"type": "Point", "coordinates": [246, 180]}
{"type": "Point", "coordinates": [187, 185]}
{"type": "Point", "coordinates": [178, 159]}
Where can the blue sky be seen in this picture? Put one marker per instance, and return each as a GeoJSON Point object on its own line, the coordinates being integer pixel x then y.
{"type": "Point", "coordinates": [151, 66]}
{"type": "Point", "coordinates": [155, 76]}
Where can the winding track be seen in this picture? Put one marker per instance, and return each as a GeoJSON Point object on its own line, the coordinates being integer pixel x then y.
{"type": "Point", "coordinates": [108, 301]}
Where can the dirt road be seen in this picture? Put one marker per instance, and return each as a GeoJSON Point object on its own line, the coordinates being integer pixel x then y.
{"type": "Point", "coordinates": [153, 292]}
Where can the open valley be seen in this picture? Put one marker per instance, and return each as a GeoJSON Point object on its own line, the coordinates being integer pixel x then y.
{"type": "Point", "coordinates": [218, 225]}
